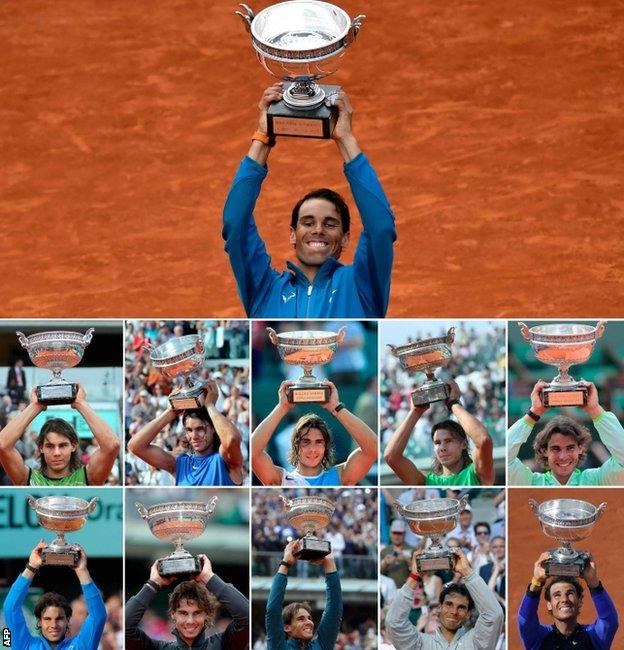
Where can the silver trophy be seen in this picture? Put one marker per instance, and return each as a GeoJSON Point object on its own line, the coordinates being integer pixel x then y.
{"type": "Point", "coordinates": [307, 348]}
{"type": "Point", "coordinates": [308, 514]}
{"type": "Point", "coordinates": [427, 355]}
{"type": "Point", "coordinates": [301, 41]}
{"type": "Point", "coordinates": [567, 521]}
{"type": "Point", "coordinates": [433, 518]}
{"type": "Point", "coordinates": [182, 357]}
{"type": "Point", "coordinates": [177, 522]}
{"type": "Point", "coordinates": [563, 345]}
{"type": "Point", "coordinates": [62, 514]}
{"type": "Point", "coordinates": [56, 351]}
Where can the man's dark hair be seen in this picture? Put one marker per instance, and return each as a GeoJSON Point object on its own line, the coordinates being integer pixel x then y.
{"type": "Point", "coordinates": [456, 431]}
{"type": "Point", "coordinates": [200, 414]}
{"type": "Point", "coordinates": [329, 195]}
{"type": "Point", "coordinates": [52, 599]}
{"type": "Point", "coordinates": [482, 524]}
{"type": "Point", "coordinates": [303, 425]}
{"type": "Point", "coordinates": [566, 427]}
{"type": "Point", "coordinates": [461, 590]}
{"type": "Point", "coordinates": [62, 428]}
{"type": "Point", "coordinates": [567, 580]}
{"type": "Point", "coordinates": [191, 590]}
{"type": "Point", "coordinates": [290, 610]}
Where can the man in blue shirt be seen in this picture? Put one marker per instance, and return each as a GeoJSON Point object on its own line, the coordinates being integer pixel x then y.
{"type": "Point", "coordinates": [564, 599]}
{"type": "Point", "coordinates": [53, 611]}
{"type": "Point", "coordinates": [215, 441]}
{"type": "Point", "coordinates": [292, 627]}
{"type": "Point", "coordinates": [318, 285]}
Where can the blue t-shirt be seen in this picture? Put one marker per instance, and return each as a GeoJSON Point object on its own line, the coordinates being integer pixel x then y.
{"type": "Point", "coordinates": [328, 477]}
{"type": "Point", "coordinates": [202, 470]}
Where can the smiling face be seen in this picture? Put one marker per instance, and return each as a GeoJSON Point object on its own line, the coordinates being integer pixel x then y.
{"type": "Point", "coordinates": [189, 619]}
{"type": "Point", "coordinates": [562, 454]}
{"type": "Point", "coordinates": [311, 449]}
{"type": "Point", "coordinates": [564, 603]}
{"type": "Point", "coordinates": [199, 435]}
{"type": "Point", "coordinates": [318, 234]}
{"type": "Point", "coordinates": [56, 450]}
{"type": "Point", "coordinates": [449, 450]}
{"type": "Point", "coordinates": [53, 623]}
{"type": "Point", "coordinates": [301, 626]}
{"type": "Point", "coordinates": [454, 611]}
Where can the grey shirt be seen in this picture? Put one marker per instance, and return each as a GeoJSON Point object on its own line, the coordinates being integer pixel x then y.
{"type": "Point", "coordinates": [483, 636]}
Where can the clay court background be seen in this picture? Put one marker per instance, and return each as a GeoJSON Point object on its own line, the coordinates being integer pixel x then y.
{"type": "Point", "coordinates": [496, 128]}
{"type": "Point", "coordinates": [526, 543]}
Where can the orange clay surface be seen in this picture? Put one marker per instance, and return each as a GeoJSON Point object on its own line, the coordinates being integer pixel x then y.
{"type": "Point", "coordinates": [497, 130]}
{"type": "Point", "coordinates": [526, 542]}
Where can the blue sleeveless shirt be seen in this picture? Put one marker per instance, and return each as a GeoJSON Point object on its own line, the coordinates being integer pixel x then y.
{"type": "Point", "coordinates": [202, 470]}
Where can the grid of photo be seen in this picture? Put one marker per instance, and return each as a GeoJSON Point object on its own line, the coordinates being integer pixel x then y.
{"type": "Point", "coordinates": [311, 484]}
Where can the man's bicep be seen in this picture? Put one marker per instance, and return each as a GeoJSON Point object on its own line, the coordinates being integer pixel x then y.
{"type": "Point", "coordinates": [158, 458]}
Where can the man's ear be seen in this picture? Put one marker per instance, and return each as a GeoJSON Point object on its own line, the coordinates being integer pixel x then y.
{"type": "Point", "coordinates": [344, 242]}
{"type": "Point", "coordinates": [293, 236]}
{"type": "Point", "coordinates": [549, 606]}
{"type": "Point", "coordinates": [287, 629]}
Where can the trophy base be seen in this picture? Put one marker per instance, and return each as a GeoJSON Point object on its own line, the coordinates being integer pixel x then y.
{"type": "Point", "coordinates": [178, 566]}
{"type": "Point", "coordinates": [444, 562]}
{"type": "Point", "coordinates": [315, 122]}
{"type": "Point", "coordinates": [187, 400]}
{"type": "Point", "coordinates": [67, 557]}
{"type": "Point", "coordinates": [62, 393]}
{"type": "Point", "coordinates": [313, 548]}
{"type": "Point", "coordinates": [428, 393]}
{"type": "Point", "coordinates": [314, 394]}
{"type": "Point", "coordinates": [569, 396]}
{"type": "Point", "coordinates": [567, 568]}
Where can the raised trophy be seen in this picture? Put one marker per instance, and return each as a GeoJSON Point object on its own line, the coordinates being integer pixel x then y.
{"type": "Point", "coordinates": [178, 522]}
{"type": "Point", "coordinates": [56, 351]}
{"type": "Point", "coordinates": [181, 357]}
{"type": "Point", "coordinates": [427, 355]}
{"type": "Point", "coordinates": [307, 348]}
{"type": "Point", "coordinates": [562, 345]}
{"type": "Point", "coordinates": [567, 521]}
{"type": "Point", "coordinates": [433, 518]}
{"type": "Point", "coordinates": [301, 41]}
{"type": "Point", "coordinates": [62, 514]}
{"type": "Point", "coordinates": [308, 514]}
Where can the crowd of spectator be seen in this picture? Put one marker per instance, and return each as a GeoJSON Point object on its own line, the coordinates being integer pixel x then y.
{"type": "Point", "coordinates": [478, 365]}
{"type": "Point", "coordinates": [226, 345]}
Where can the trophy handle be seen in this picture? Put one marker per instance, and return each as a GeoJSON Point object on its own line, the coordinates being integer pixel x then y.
{"type": "Point", "coordinates": [287, 502]}
{"type": "Point", "coordinates": [272, 335]}
{"type": "Point", "coordinates": [600, 509]}
{"type": "Point", "coordinates": [199, 344]}
{"type": "Point", "coordinates": [600, 328]}
{"type": "Point", "coordinates": [356, 25]}
{"type": "Point", "coordinates": [392, 348]}
{"type": "Point", "coordinates": [534, 506]}
{"type": "Point", "coordinates": [23, 339]}
{"type": "Point", "coordinates": [247, 17]}
{"type": "Point", "coordinates": [524, 330]}
{"type": "Point", "coordinates": [450, 335]}
{"type": "Point", "coordinates": [142, 509]}
{"type": "Point", "coordinates": [92, 504]}
{"type": "Point", "coordinates": [211, 505]}
{"type": "Point", "coordinates": [32, 503]}
{"type": "Point", "coordinates": [463, 502]}
{"type": "Point", "coordinates": [88, 335]}
{"type": "Point", "coordinates": [341, 334]}
{"type": "Point", "coordinates": [399, 508]}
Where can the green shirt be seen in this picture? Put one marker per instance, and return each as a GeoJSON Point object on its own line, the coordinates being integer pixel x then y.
{"type": "Point", "coordinates": [467, 476]}
{"type": "Point", "coordinates": [79, 477]}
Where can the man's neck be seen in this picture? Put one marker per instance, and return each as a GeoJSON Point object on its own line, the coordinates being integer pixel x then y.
{"type": "Point", "coordinates": [455, 468]}
{"type": "Point", "coordinates": [562, 479]}
{"type": "Point", "coordinates": [48, 472]}
{"type": "Point", "coordinates": [304, 470]}
{"type": "Point", "coordinates": [449, 635]}
{"type": "Point", "coordinates": [566, 627]}
{"type": "Point", "coordinates": [307, 270]}
{"type": "Point", "coordinates": [205, 452]}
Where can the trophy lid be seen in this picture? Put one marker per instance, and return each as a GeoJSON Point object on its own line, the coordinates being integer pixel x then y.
{"type": "Point", "coordinates": [303, 26]}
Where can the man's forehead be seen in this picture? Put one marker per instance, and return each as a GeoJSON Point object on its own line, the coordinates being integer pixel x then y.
{"type": "Point", "coordinates": [188, 603]}
{"type": "Point", "coordinates": [52, 611]}
{"type": "Point", "coordinates": [455, 599]}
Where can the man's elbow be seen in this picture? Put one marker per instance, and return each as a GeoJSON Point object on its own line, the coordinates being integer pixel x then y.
{"type": "Point", "coordinates": [391, 457]}
{"type": "Point", "coordinates": [134, 447]}
{"type": "Point", "coordinates": [113, 446]}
